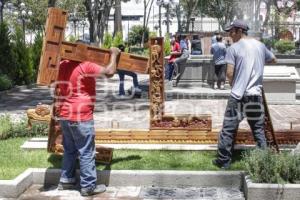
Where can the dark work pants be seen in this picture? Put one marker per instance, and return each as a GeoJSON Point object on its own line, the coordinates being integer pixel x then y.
{"type": "Point", "coordinates": [250, 107]}
{"type": "Point", "coordinates": [220, 73]}
{"type": "Point", "coordinates": [122, 74]}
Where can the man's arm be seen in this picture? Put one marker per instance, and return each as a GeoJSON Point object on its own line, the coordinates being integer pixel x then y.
{"type": "Point", "coordinates": [272, 61]}
{"type": "Point", "coordinates": [110, 69]}
{"type": "Point", "coordinates": [229, 73]}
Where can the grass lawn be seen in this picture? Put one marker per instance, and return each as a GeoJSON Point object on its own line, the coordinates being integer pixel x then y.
{"type": "Point", "coordinates": [14, 161]}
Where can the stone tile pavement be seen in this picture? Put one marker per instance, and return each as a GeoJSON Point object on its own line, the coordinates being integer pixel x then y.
{"type": "Point", "coordinates": [188, 98]}
{"type": "Point", "coordinates": [136, 193]}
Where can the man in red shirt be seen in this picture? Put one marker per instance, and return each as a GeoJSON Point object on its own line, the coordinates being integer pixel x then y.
{"type": "Point", "coordinates": [175, 53]}
{"type": "Point", "coordinates": [77, 92]}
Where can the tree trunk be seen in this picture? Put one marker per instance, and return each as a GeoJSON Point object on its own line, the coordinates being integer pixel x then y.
{"type": "Point", "coordinates": [159, 20]}
{"type": "Point", "coordinates": [98, 14]}
{"type": "Point", "coordinates": [178, 15]}
{"type": "Point", "coordinates": [118, 18]}
{"type": "Point", "coordinates": [51, 3]}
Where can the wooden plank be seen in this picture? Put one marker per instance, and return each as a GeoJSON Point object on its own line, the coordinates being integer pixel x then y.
{"type": "Point", "coordinates": [101, 56]}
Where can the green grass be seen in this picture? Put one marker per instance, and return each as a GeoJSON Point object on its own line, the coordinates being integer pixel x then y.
{"type": "Point", "coordinates": [14, 161]}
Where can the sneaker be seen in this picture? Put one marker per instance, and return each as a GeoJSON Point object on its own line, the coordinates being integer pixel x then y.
{"type": "Point", "coordinates": [66, 186]}
{"type": "Point", "coordinates": [221, 165]}
{"type": "Point", "coordinates": [222, 87]}
{"type": "Point", "coordinates": [92, 191]}
{"type": "Point", "coordinates": [215, 86]}
{"type": "Point", "coordinates": [137, 90]}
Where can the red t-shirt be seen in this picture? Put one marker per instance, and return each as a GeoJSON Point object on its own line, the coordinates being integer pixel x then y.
{"type": "Point", "coordinates": [174, 48]}
{"type": "Point", "coordinates": [77, 90]}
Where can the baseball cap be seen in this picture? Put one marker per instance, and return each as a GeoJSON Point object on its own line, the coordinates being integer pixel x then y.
{"type": "Point", "coordinates": [237, 24]}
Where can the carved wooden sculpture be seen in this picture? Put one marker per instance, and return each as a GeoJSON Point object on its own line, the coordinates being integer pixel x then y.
{"type": "Point", "coordinates": [163, 128]}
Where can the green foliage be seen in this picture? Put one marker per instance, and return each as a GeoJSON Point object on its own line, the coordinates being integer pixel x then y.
{"type": "Point", "coordinates": [136, 33]}
{"type": "Point", "coordinates": [10, 129]}
{"type": "Point", "coordinates": [21, 54]}
{"type": "Point", "coordinates": [5, 82]}
{"type": "Point", "coordinates": [72, 38]}
{"type": "Point", "coordinates": [118, 39]}
{"type": "Point", "coordinates": [36, 49]}
{"type": "Point", "coordinates": [167, 43]}
{"type": "Point", "coordinates": [269, 42]}
{"type": "Point", "coordinates": [284, 46]}
{"type": "Point", "coordinates": [152, 34]}
{"type": "Point", "coordinates": [107, 40]}
{"type": "Point", "coordinates": [7, 61]}
{"type": "Point", "coordinates": [269, 167]}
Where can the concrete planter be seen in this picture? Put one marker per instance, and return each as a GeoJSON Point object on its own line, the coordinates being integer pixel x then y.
{"type": "Point", "coordinates": [264, 191]}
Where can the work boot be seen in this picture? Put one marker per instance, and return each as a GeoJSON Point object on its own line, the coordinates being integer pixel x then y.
{"type": "Point", "coordinates": [92, 191]}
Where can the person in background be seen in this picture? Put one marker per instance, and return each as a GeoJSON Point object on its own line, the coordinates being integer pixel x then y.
{"type": "Point", "coordinates": [76, 88]}
{"type": "Point", "coordinates": [219, 51]}
{"type": "Point", "coordinates": [196, 45]}
{"type": "Point", "coordinates": [175, 52]}
{"type": "Point", "coordinates": [189, 43]}
{"type": "Point", "coordinates": [245, 59]}
{"type": "Point", "coordinates": [122, 73]}
{"type": "Point", "coordinates": [214, 38]}
{"type": "Point", "coordinates": [179, 63]}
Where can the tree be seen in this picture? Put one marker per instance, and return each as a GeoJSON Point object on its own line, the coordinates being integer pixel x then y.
{"type": "Point", "coordinates": [147, 9]}
{"type": "Point", "coordinates": [118, 17]}
{"type": "Point", "coordinates": [51, 3]}
{"type": "Point", "coordinates": [223, 10]}
{"type": "Point", "coordinates": [135, 35]}
{"type": "Point", "coordinates": [6, 56]}
{"type": "Point", "coordinates": [1, 9]}
{"type": "Point", "coordinates": [23, 64]}
{"type": "Point", "coordinates": [36, 50]}
{"type": "Point", "coordinates": [98, 13]}
{"type": "Point", "coordinates": [190, 8]}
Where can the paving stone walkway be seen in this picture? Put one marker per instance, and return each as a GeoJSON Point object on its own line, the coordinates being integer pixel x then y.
{"type": "Point", "coordinates": [136, 193]}
{"type": "Point", "coordinates": [188, 98]}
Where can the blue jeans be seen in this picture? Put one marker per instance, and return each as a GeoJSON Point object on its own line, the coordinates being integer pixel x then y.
{"type": "Point", "coordinates": [169, 71]}
{"type": "Point", "coordinates": [122, 74]}
{"type": "Point", "coordinates": [250, 107]}
{"type": "Point", "coordinates": [79, 140]}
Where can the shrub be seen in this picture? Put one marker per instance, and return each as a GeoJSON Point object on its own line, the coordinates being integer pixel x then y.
{"type": "Point", "coordinates": [269, 167]}
{"type": "Point", "coordinates": [72, 38]}
{"type": "Point", "coordinates": [167, 47]}
{"type": "Point", "coordinates": [9, 129]}
{"type": "Point", "coordinates": [5, 82]}
{"type": "Point", "coordinates": [107, 40]}
{"type": "Point", "coordinates": [5, 126]}
{"type": "Point", "coordinates": [136, 33]}
{"type": "Point", "coordinates": [118, 39]}
{"type": "Point", "coordinates": [283, 46]}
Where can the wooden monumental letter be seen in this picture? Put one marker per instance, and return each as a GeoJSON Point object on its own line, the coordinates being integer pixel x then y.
{"type": "Point", "coordinates": [163, 128]}
{"type": "Point", "coordinates": [55, 49]}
